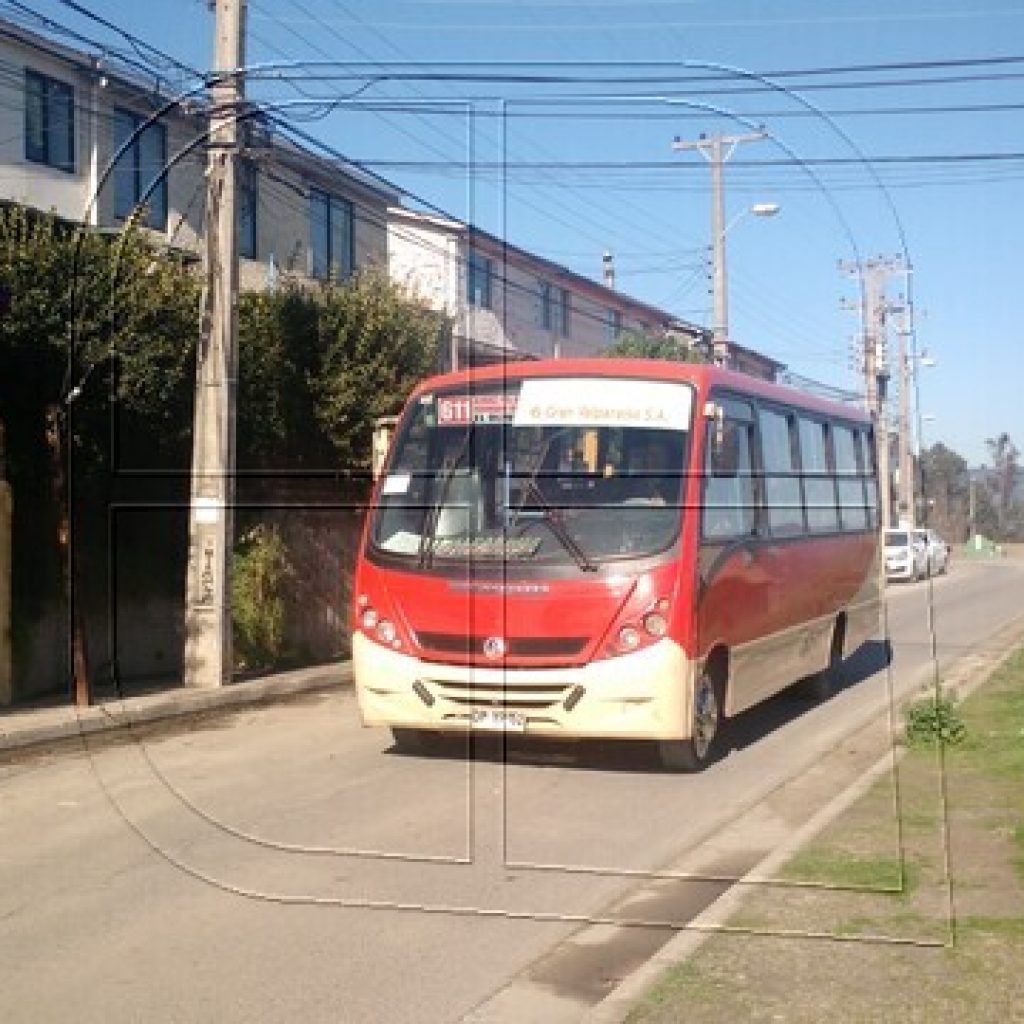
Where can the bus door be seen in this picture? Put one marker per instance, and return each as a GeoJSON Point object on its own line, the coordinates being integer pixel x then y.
{"type": "Point", "coordinates": [737, 607]}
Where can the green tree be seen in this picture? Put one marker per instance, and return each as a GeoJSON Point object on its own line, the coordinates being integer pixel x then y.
{"type": "Point", "coordinates": [85, 310]}
{"type": "Point", "coordinates": [279, 356]}
{"type": "Point", "coordinates": [945, 491]}
{"type": "Point", "coordinates": [376, 344]}
{"type": "Point", "coordinates": [647, 345]}
{"type": "Point", "coordinates": [1005, 458]}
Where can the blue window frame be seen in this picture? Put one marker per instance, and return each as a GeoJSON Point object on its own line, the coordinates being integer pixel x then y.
{"type": "Point", "coordinates": [49, 121]}
{"type": "Point", "coordinates": [140, 174]}
{"type": "Point", "coordinates": [331, 236]}
{"type": "Point", "coordinates": [478, 280]}
{"type": "Point", "coordinates": [248, 199]}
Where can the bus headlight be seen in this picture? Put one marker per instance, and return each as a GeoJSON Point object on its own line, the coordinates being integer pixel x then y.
{"type": "Point", "coordinates": [656, 624]}
{"type": "Point", "coordinates": [369, 620]}
{"type": "Point", "coordinates": [386, 632]}
{"type": "Point", "coordinates": [646, 629]}
{"type": "Point", "coordinates": [629, 638]}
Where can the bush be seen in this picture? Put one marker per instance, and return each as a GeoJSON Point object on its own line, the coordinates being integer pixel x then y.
{"type": "Point", "coordinates": [257, 603]}
{"type": "Point", "coordinates": [934, 720]}
{"type": "Point", "coordinates": [642, 345]}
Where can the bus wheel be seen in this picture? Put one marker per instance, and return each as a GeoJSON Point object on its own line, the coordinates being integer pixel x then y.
{"type": "Point", "coordinates": [696, 752]}
{"type": "Point", "coordinates": [824, 684]}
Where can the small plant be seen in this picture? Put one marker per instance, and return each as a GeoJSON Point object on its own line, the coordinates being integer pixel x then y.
{"type": "Point", "coordinates": [260, 567]}
{"type": "Point", "coordinates": [935, 719]}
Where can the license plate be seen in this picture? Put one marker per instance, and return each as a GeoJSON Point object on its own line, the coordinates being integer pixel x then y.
{"type": "Point", "coordinates": [492, 718]}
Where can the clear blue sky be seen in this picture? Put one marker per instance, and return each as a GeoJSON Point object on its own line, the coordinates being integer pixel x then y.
{"type": "Point", "coordinates": [963, 219]}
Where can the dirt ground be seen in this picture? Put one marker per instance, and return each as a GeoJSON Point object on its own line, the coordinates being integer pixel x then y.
{"type": "Point", "coordinates": [909, 908]}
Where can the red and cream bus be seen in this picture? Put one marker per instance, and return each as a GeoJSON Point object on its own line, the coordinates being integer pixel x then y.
{"type": "Point", "coordinates": [614, 549]}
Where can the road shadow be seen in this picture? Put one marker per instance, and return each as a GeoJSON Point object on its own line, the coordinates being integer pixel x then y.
{"type": "Point", "coordinates": [637, 756]}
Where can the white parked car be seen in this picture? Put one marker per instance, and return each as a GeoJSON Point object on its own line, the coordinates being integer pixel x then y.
{"type": "Point", "coordinates": [906, 556]}
{"type": "Point", "coordinates": [936, 550]}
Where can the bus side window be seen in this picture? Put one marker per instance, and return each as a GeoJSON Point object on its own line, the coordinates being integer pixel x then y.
{"type": "Point", "coordinates": [729, 493]}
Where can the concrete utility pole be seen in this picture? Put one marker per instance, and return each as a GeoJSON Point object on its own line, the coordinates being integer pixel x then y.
{"type": "Point", "coordinates": [717, 150]}
{"type": "Point", "coordinates": [208, 654]}
{"type": "Point", "coordinates": [907, 500]}
{"type": "Point", "coordinates": [873, 274]}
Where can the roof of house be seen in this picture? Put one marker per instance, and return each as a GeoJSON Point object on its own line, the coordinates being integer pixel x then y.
{"type": "Point", "coordinates": [499, 247]}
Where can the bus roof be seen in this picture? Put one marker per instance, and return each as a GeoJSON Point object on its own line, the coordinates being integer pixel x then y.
{"type": "Point", "coordinates": [703, 376]}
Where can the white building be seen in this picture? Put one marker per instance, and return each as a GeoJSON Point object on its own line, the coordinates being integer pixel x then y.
{"type": "Point", "coordinates": [507, 302]}
{"type": "Point", "coordinates": [65, 116]}
{"type": "Point", "coordinates": [89, 143]}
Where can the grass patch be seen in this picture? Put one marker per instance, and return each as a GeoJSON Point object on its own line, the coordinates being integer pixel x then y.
{"type": "Point", "coordinates": [922, 821]}
{"type": "Point", "coordinates": [903, 923]}
{"type": "Point", "coordinates": [684, 979]}
{"type": "Point", "coordinates": [1018, 860]}
{"type": "Point", "coordinates": [1003, 927]}
{"type": "Point", "coordinates": [995, 722]}
{"type": "Point", "coordinates": [974, 974]}
{"type": "Point", "coordinates": [843, 870]}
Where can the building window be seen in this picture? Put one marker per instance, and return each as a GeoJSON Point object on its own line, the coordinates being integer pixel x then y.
{"type": "Point", "coordinates": [478, 281]}
{"type": "Point", "coordinates": [49, 122]}
{"type": "Point", "coordinates": [562, 311]}
{"type": "Point", "coordinates": [546, 315]}
{"type": "Point", "coordinates": [140, 174]}
{"type": "Point", "coordinates": [331, 237]}
{"type": "Point", "coordinates": [612, 325]}
{"type": "Point", "coordinates": [248, 197]}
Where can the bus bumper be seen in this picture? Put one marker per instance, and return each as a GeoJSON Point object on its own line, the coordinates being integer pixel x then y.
{"type": "Point", "coordinates": [643, 695]}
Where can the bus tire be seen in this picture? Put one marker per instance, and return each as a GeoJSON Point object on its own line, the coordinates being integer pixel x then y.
{"type": "Point", "coordinates": [697, 751]}
{"type": "Point", "coordinates": [824, 684]}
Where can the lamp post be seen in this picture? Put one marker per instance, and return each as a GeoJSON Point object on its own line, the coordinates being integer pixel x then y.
{"type": "Point", "coordinates": [719, 276]}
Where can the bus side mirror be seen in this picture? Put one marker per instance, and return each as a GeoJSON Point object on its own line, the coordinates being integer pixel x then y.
{"type": "Point", "coordinates": [724, 441]}
{"type": "Point", "coordinates": [725, 450]}
{"type": "Point", "coordinates": [383, 431]}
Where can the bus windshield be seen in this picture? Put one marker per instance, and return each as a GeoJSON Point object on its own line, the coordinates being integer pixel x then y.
{"type": "Point", "coordinates": [546, 471]}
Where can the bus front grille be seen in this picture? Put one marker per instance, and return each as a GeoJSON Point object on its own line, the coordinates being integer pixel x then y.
{"type": "Point", "coordinates": [512, 696]}
{"type": "Point", "coordinates": [468, 646]}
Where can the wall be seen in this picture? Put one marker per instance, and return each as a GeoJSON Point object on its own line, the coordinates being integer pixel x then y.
{"type": "Point", "coordinates": [282, 229]}
{"type": "Point", "coordinates": [429, 257]}
{"type": "Point", "coordinates": [283, 203]}
{"type": "Point", "coordinates": [6, 683]}
{"type": "Point", "coordinates": [21, 180]}
{"type": "Point", "coordinates": [515, 317]}
{"type": "Point", "coordinates": [425, 260]}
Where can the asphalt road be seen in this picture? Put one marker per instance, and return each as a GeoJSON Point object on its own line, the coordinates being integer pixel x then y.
{"type": "Point", "coordinates": [283, 864]}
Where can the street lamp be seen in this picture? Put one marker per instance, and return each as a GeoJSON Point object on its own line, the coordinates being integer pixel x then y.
{"type": "Point", "coordinates": [721, 333]}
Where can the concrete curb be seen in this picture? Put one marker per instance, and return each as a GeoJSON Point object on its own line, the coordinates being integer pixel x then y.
{"type": "Point", "coordinates": [23, 730]}
{"type": "Point", "coordinates": [616, 1006]}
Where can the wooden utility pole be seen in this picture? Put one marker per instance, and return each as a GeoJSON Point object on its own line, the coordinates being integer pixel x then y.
{"type": "Point", "coordinates": [82, 684]}
{"type": "Point", "coordinates": [6, 527]}
{"type": "Point", "coordinates": [208, 650]}
{"type": "Point", "coordinates": [716, 150]}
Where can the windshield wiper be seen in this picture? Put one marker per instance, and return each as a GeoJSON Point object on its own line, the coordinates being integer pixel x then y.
{"type": "Point", "coordinates": [557, 527]}
{"type": "Point", "coordinates": [433, 515]}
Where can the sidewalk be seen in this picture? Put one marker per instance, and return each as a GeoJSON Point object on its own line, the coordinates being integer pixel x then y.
{"type": "Point", "coordinates": [908, 905]}
{"type": "Point", "coordinates": [24, 728]}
